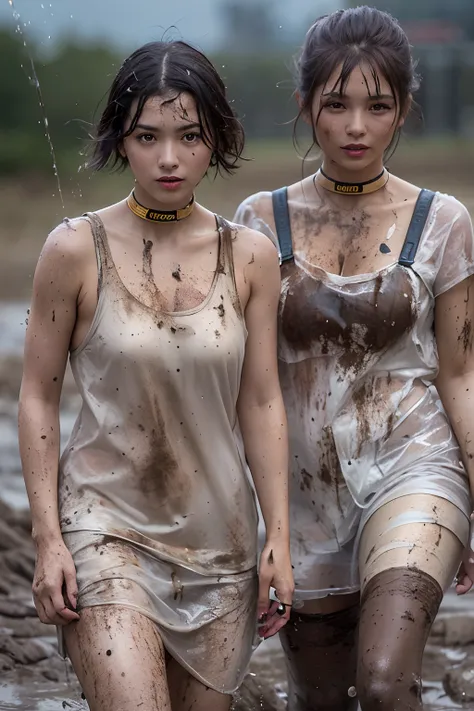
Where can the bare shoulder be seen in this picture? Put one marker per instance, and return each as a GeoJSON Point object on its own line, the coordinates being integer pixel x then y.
{"type": "Point", "coordinates": [67, 252]}
{"type": "Point", "coordinates": [70, 239]}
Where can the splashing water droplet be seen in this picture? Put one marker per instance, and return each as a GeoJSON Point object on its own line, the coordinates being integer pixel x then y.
{"type": "Point", "coordinates": [35, 81]}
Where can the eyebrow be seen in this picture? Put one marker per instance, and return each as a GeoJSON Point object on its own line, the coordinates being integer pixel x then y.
{"type": "Point", "coordinates": [339, 95]}
{"type": "Point", "coordinates": [182, 127]}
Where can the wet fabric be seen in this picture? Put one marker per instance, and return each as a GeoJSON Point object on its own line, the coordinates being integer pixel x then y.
{"type": "Point", "coordinates": [357, 358]}
{"type": "Point", "coordinates": [155, 465]}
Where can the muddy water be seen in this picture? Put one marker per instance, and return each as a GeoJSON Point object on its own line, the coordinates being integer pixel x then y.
{"type": "Point", "coordinates": [51, 684]}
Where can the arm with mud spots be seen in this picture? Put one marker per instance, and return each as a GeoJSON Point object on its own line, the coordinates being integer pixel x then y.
{"type": "Point", "coordinates": [56, 289]}
{"type": "Point", "coordinates": [263, 423]}
{"type": "Point", "coordinates": [454, 328]}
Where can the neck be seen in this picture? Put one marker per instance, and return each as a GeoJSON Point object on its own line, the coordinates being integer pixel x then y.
{"type": "Point", "coordinates": [342, 175]}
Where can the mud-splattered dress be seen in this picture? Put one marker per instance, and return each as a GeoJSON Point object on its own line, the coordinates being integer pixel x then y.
{"type": "Point", "coordinates": [357, 356]}
{"type": "Point", "coordinates": [156, 504]}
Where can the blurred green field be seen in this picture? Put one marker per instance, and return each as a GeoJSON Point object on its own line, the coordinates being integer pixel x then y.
{"type": "Point", "coordinates": [31, 206]}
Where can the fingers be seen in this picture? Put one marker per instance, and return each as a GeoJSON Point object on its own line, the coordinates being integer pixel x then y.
{"type": "Point", "coordinates": [463, 584]}
{"type": "Point", "coordinates": [51, 606]}
{"type": "Point", "coordinates": [61, 610]}
{"type": "Point", "coordinates": [277, 617]}
{"type": "Point", "coordinates": [263, 596]}
{"type": "Point", "coordinates": [70, 588]}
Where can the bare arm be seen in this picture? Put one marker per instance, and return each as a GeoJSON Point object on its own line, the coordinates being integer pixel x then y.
{"type": "Point", "coordinates": [56, 289]}
{"type": "Point", "coordinates": [454, 328]}
{"type": "Point", "coordinates": [263, 423]}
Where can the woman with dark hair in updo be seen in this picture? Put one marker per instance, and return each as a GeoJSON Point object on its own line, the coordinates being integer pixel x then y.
{"type": "Point", "coordinates": [146, 531]}
{"type": "Point", "coordinates": [375, 308]}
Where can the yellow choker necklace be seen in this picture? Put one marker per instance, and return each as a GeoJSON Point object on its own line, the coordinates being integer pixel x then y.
{"type": "Point", "coordinates": [370, 186]}
{"type": "Point", "coordinates": [158, 215]}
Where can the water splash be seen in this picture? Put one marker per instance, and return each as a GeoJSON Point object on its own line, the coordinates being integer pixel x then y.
{"type": "Point", "coordinates": [35, 81]}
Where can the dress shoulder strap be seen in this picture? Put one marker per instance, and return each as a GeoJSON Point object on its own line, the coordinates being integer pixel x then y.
{"type": "Point", "coordinates": [282, 222]}
{"type": "Point", "coordinates": [225, 261]}
{"type": "Point", "coordinates": [105, 263]}
{"type": "Point", "coordinates": [416, 227]}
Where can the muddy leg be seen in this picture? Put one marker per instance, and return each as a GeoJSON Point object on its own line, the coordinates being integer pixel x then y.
{"type": "Point", "coordinates": [320, 652]}
{"type": "Point", "coordinates": [189, 694]}
{"type": "Point", "coordinates": [408, 557]}
{"type": "Point", "coordinates": [398, 609]}
{"type": "Point", "coordinates": [118, 657]}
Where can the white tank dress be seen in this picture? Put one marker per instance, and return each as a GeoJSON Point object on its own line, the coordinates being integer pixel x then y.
{"type": "Point", "coordinates": [156, 503]}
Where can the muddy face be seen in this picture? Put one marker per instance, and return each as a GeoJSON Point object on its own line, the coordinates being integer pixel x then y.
{"type": "Point", "coordinates": [352, 321]}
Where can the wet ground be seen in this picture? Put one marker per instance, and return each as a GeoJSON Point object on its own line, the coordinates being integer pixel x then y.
{"type": "Point", "coordinates": [33, 677]}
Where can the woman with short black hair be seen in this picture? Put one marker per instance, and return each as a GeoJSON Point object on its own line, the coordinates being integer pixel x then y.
{"type": "Point", "coordinates": [146, 531]}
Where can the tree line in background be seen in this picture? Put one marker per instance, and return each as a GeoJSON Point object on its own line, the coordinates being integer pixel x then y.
{"type": "Point", "coordinates": [75, 81]}
{"type": "Point", "coordinates": [74, 84]}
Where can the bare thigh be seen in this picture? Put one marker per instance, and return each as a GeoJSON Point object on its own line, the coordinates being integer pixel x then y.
{"type": "Point", "coordinates": [189, 694]}
{"type": "Point", "coordinates": [118, 656]}
{"type": "Point", "coordinates": [430, 547]}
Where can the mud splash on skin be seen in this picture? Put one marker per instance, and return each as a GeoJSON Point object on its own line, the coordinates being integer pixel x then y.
{"type": "Point", "coordinates": [398, 608]}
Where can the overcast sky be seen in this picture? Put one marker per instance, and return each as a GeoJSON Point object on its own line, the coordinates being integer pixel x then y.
{"type": "Point", "coordinates": [129, 23]}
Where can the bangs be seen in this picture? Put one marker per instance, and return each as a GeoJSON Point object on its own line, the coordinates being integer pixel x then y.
{"type": "Point", "coordinates": [362, 59]}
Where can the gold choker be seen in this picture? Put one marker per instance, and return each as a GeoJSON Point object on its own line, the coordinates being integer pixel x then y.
{"type": "Point", "coordinates": [158, 215]}
{"type": "Point", "coordinates": [370, 186]}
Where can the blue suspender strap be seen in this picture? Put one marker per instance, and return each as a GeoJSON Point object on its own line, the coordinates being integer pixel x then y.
{"type": "Point", "coordinates": [415, 228]}
{"type": "Point", "coordinates": [282, 223]}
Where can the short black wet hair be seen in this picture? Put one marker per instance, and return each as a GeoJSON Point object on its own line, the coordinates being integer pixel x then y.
{"type": "Point", "coordinates": [157, 69]}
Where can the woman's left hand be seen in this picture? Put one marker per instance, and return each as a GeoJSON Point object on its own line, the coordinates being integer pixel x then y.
{"type": "Point", "coordinates": [465, 576]}
{"type": "Point", "coordinates": [274, 571]}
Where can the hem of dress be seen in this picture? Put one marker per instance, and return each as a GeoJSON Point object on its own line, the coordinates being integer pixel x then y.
{"type": "Point", "coordinates": [62, 647]}
{"type": "Point", "coordinates": [199, 571]}
{"type": "Point", "coordinates": [322, 594]}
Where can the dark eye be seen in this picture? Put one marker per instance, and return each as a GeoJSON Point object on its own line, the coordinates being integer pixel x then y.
{"type": "Point", "coordinates": [381, 107]}
{"type": "Point", "coordinates": [335, 105]}
{"type": "Point", "coordinates": [191, 137]}
{"type": "Point", "coordinates": [146, 138]}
